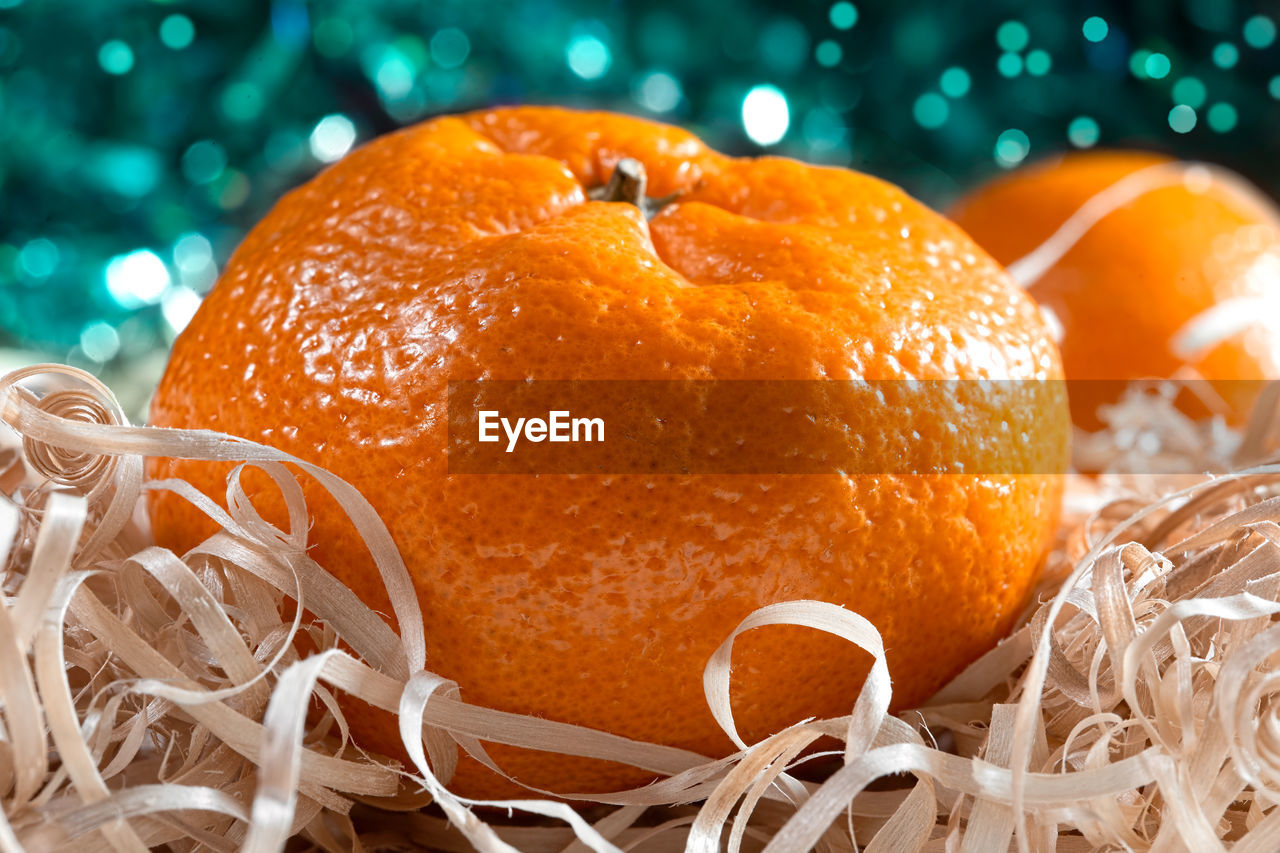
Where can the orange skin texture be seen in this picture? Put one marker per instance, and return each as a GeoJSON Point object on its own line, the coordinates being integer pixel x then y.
{"type": "Point", "coordinates": [1138, 276]}
{"type": "Point", "coordinates": [466, 248]}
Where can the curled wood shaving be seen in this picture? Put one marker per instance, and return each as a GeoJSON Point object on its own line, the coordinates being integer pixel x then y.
{"type": "Point", "coordinates": [152, 699]}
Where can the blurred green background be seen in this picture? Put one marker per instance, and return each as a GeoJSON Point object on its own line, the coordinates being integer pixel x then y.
{"type": "Point", "coordinates": [139, 140]}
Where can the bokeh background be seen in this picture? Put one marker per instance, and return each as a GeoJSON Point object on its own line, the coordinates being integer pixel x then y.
{"type": "Point", "coordinates": [139, 140]}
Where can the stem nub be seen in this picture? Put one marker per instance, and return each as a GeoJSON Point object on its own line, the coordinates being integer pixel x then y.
{"type": "Point", "coordinates": [628, 184]}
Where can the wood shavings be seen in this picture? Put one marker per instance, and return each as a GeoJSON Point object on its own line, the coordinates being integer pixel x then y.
{"type": "Point", "coordinates": [149, 699]}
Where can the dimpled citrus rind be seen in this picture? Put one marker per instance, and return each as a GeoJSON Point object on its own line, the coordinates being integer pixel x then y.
{"type": "Point", "coordinates": [1137, 277]}
{"type": "Point", "coordinates": [466, 248]}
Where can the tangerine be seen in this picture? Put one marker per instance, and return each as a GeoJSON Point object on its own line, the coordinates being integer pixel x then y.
{"type": "Point", "coordinates": [1176, 279]}
{"type": "Point", "coordinates": [470, 247]}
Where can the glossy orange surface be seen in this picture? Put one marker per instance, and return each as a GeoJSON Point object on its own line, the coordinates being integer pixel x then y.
{"type": "Point", "coordinates": [1140, 274]}
{"type": "Point", "coordinates": [466, 248]}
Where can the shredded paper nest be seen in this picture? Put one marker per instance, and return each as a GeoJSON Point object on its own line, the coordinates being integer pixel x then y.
{"type": "Point", "coordinates": [155, 700]}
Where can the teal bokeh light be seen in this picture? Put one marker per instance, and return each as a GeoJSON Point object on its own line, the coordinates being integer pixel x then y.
{"type": "Point", "coordinates": [1259, 32]}
{"type": "Point", "coordinates": [204, 161]}
{"type": "Point", "coordinates": [657, 91]}
{"type": "Point", "coordinates": [450, 48]}
{"type": "Point", "coordinates": [177, 32]}
{"type": "Point", "coordinates": [1083, 132]}
{"type": "Point", "coordinates": [1012, 36]}
{"type": "Point", "coordinates": [1222, 117]}
{"type": "Point", "coordinates": [588, 57]}
{"type": "Point", "coordinates": [1157, 66]}
{"type": "Point", "coordinates": [100, 341]}
{"type": "Point", "coordinates": [1012, 147]}
{"type": "Point", "coordinates": [843, 15]}
{"type": "Point", "coordinates": [1038, 63]}
{"type": "Point", "coordinates": [1009, 65]}
{"type": "Point", "coordinates": [242, 101]}
{"type": "Point", "coordinates": [1190, 91]}
{"type": "Point", "coordinates": [828, 53]}
{"type": "Point", "coordinates": [1095, 29]}
{"type": "Point", "coordinates": [115, 57]}
{"type": "Point", "coordinates": [39, 258]}
{"type": "Point", "coordinates": [172, 127]}
{"type": "Point", "coordinates": [1182, 119]}
{"type": "Point", "coordinates": [931, 110]}
{"type": "Point", "coordinates": [1138, 63]}
{"type": "Point", "coordinates": [955, 82]}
